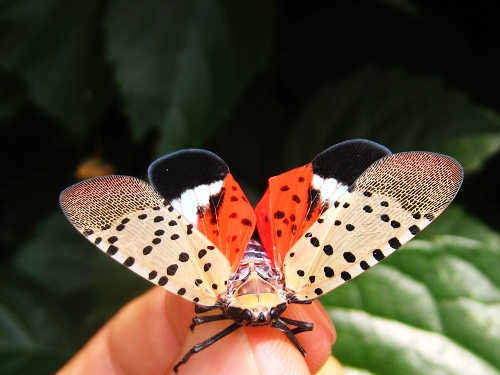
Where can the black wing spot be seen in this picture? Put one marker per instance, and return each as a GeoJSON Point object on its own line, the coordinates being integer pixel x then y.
{"type": "Point", "coordinates": [349, 257]}
{"type": "Point", "coordinates": [312, 279]}
{"type": "Point", "coordinates": [159, 232]}
{"type": "Point", "coordinates": [112, 239]}
{"type": "Point", "coordinates": [129, 262]}
{"type": "Point", "coordinates": [152, 275]}
{"type": "Point", "coordinates": [181, 291]}
{"type": "Point", "coordinates": [207, 267]}
{"type": "Point", "coordinates": [395, 224]}
{"type": "Point", "coordinates": [414, 229]}
{"type": "Point", "coordinates": [157, 219]}
{"type": "Point", "coordinates": [394, 243]}
{"type": "Point", "coordinates": [112, 250]}
{"type": "Point", "coordinates": [364, 265]}
{"type": "Point", "coordinates": [314, 241]}
{"type": "Point", "coordinates": [417, 216]}
{"type": "Point", "coordinates": [174, 237]}
{"type": "Point", "coordinates": [429, 216]}
{"type": "Point", "coordinates": [120, 227]}
{"type": "Point", "coordinates": [384, 204]}
{"type": "Point", "coordinates": [337, 223]}
{"type": "Point", "coordinates": [172, 223]}
{"type": "Point", "coordinates": [285, 188]}
{"type": "Point", "coordinates": [162, 281]}
{"type": "Point", "coordinates": [300, 273]}
{"type": "Point", "coordinates": [88, 232]}
{"type": "Point", "coordinates": [318, 291]}
{"type": "Point", "coordinates": [172, 269]}
{"type": "Point", "coordinates": [346, 205]}
{"type": "Point", "coordinates": [246, 222]}
{"type": "Point", "coordinates": [295, 198]}
{"type": "Point", "coordinates": [328, 272]}
{"type": "Point", "coordinates": [198, 282]}
{"type": "Point", "coordinates": [385, 218]}
{"type": "Point", "coordinates": [183, 257]}
{"type": "Point", "coordinates": [328, 250]}
{"type": "Point", "coordinates": [156, 240]}
{"type": "Point", "coordinates": [368, 209]}
{"type": "Point", "coordinates": [142, 216]}
{"type": "Point", "coordinates": [279, 215]}
{"type": "Point", "coordinates": [349, 227]}
{"type": "Point", "coordinates": [147, 250]}
{"type": "Point", "coordinates": [378, 254]}
{"type": "Point", "coordinates": [345, 276]}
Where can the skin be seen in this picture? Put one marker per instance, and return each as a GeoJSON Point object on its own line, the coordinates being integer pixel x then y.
{"type": "Point", "coordinates": [149, 337]}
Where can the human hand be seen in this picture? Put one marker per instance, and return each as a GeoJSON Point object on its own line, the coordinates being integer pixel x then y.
{"type": "Point", "coordinates": [151, 334]}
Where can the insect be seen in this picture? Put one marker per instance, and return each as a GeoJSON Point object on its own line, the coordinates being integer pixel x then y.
{"type": "Point", "coordinates": [319, 225]}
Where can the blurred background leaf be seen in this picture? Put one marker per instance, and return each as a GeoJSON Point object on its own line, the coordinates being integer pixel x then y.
{"type": "Point", "coordinates": [107, 86]}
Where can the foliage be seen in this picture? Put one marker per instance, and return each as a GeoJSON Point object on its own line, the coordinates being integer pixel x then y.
{"type": "Point", "coordinates": [92, 86]}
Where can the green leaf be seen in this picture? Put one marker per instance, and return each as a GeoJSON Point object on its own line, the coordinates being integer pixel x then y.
{"type": "Point", "coordinates": [11, 96]}
{"type": "Point", "coordinates": [389, 347]}
{"type": "Point", "coordinates": [32, 338]}
{"type": "Point", "coordinates": [61, 260]}
{"type": "Point", "coordinates": [55, 46]}
{"type": "Point", "coordinates": [57, 257]}
{"type": "Point", "coordinates": [185, 73]}
{"type": "Point", "coordinates": [400, 110]}
{"type": "Point", "coordinates": [431, 308]}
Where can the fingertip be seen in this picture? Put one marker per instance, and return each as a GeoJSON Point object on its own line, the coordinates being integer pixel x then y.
{"type": "Point", "coordinates": [262, 350]}
{"type": "Point", "coordinates": [230, 355]}
{"type": "Point", "coordinates": [318, 342]}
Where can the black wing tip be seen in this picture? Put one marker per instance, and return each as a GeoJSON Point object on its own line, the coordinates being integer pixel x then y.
{"type": "Point", "coordinates": [172, 174]}
{"type": "Point", "coordinates": [345, 161]}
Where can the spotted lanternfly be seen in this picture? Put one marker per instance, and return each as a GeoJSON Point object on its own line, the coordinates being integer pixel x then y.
{"type": "Point", "coordinates": [319, 226]}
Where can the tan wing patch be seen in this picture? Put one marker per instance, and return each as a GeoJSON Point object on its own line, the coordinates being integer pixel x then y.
{"type": "Point", "coordinates": [124, 217]}
{"type": "Point", "coordinates": [392, 201]}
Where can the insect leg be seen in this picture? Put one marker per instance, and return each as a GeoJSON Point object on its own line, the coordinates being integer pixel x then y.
{"type": "Point", "coordinates": [283, 327]}
{"type": "Point", "coordinates": [198, 309]}
{"type": "Point", "coordinates": [301, 326]}
{"type": "Point", "coordinates": [197, 320]}
{"type": "Point", "coordinates": [205, 344]}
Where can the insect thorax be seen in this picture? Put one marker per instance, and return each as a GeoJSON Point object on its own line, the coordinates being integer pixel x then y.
{"type": "Point", "coordinates": [255, 291]}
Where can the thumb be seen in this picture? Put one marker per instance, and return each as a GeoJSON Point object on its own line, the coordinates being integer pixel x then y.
{"type": "Point", "coordinates": [261, 350]}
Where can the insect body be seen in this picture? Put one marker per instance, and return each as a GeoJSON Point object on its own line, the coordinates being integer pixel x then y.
{"type": "Point", "coordinates": [319, 226]}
